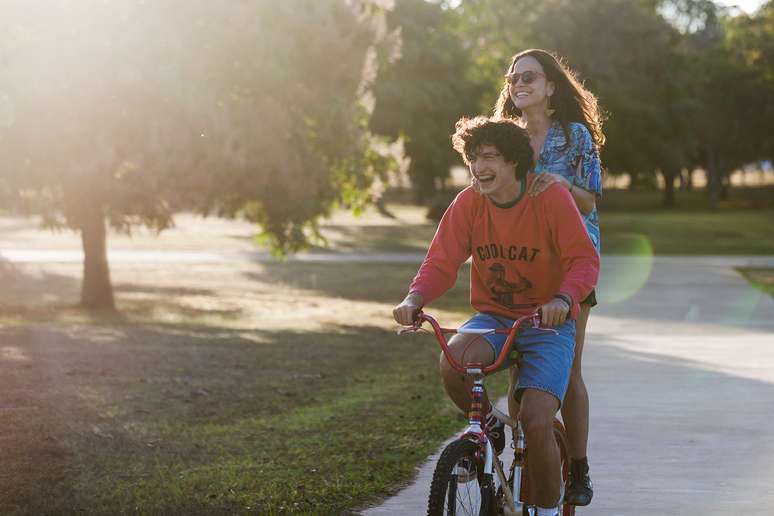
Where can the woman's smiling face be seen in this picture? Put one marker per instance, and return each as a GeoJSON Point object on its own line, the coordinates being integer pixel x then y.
{"type": "Point", "coordinates": [528, 85]}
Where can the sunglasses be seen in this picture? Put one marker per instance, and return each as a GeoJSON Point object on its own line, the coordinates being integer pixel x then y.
{"type": "Point", "coordinates": [527, 77]}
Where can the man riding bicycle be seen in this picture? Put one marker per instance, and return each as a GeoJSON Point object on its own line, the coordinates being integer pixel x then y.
{"type": "Point", "coordinates": [526, 252]}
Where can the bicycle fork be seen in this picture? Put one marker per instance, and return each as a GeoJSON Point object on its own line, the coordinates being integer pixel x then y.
{"type": "Point", "coordinates": [492, 465]}
{"type": "Point", "coordinates": [511, 487]}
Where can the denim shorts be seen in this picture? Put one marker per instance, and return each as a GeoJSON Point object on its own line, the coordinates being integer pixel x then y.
{"type": "Point", "coordinates": [544, 356]}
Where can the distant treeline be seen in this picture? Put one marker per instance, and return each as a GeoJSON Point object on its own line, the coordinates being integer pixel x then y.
{"type": "Point", "coordinates": [123, 113]}
{"type": "Point", "coordinates": [685, 84]}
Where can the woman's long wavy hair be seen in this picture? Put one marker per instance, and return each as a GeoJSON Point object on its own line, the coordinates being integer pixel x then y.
{"type": "Point", "coordinates": [571, 101]}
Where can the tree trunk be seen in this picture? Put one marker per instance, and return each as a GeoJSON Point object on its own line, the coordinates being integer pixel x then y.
{"type": "Point", "coordinates": [669, 176]}
{"type": "Point", "coordinates": [725, 186]}
{"type": "Point", "coordinates": [686, 180]}
{"type": "Point", "coordinates": [713, 180]}
{"type": "Point", "coordinates": [97, 290]}
{"type": "Point", "coordinates": [423, 186]}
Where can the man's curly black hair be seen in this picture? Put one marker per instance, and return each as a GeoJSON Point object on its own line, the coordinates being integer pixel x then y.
{"type": "Point", "coordinates": [510, 140]}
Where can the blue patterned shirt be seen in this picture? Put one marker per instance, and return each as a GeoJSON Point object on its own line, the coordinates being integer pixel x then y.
{"type": "Point", "coordinates": [578, 162]}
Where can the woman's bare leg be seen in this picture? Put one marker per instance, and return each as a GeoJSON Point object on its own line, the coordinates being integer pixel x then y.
{"type": "Point", "coordinates": [575, 409]}
{"type": "Point", "coordinates": [575, 413]}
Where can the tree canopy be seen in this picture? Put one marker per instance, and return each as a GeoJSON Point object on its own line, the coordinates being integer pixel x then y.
{"type": "Point", "coordinates": [122, 113]}
{"type": "Point", "coordinates": [684, 83]}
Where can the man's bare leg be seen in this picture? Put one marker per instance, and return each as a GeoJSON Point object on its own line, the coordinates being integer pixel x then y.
{"type": "Point", "coordinates": [513, 405]}
{"type": "Point", "coordinates": [465, 349]}
{"type": "Point", "coordinates": [538, 409]}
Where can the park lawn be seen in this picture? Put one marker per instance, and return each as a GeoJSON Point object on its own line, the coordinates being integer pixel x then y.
{"type": "Point", "coordinates": [263, 389]}
{"type": "Point", "coordinates": [725, 232]}
{"type": "Point", "coordinates": [658, 232]}
{"type": "Point", "coordinates": [760, 278]}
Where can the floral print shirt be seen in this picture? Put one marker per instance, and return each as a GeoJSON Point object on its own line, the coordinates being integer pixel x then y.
{"type": "Point", "coordinates": [578, 162]}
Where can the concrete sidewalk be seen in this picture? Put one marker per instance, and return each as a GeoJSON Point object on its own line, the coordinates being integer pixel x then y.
{"type": "Point", "coordinates": [679, 364]}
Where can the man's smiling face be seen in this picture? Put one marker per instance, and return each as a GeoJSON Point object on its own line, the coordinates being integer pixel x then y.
{"type": "Point", "coordinates": [496, 177]}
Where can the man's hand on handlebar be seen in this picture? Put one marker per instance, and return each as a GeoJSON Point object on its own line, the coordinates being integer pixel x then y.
{"type": "Point", "coordinates": [405, 313]}
{"type": "Point", "coordinates": [554, 313]}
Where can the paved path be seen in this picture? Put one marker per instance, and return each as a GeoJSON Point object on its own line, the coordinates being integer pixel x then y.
{"type": "Point", "coordinates": [680, 369]}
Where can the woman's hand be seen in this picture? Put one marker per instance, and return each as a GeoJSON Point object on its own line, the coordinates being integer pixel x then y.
{"type": "Point", "coordinates": [544, 180]}
{"type": "Point", "coordinates": [406, 311]}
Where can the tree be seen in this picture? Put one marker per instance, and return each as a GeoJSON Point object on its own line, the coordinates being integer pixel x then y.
{"type": "Point", "coordinates": [638, 76]}
{"type": "Point", "coordinates": [751, 41]}
{"type": "Point", "coordinates": [627, 65]}
{"type": "Point", "coordinates": [90, 124]}
{"type": "Point", "coordinates": [122, 113]}
{"type": "Point", "coordinates": [725, 88]}
{"type": "Point", "coordinates": [424, 92]}
{"type": "Point", "coordinates": [674, 81]}
{"type": "Point", "coordinates": [287, 135]}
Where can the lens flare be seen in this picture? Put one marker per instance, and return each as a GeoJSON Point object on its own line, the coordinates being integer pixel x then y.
{"type": "Point", "coordinates": [625, 273]}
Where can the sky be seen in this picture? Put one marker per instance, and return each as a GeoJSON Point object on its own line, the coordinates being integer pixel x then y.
{"type": "Point", "coordinates": [746, 5]}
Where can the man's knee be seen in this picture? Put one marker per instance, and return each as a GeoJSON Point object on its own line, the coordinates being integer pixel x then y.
{"type": "Point", "coordinates": [466, 349]}
{"type": "Point", "coordinates": [537, 413]}
{"type": "Point", "coordinates": [447, 371]}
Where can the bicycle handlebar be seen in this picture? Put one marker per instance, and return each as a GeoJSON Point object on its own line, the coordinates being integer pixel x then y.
{"type": "Point", "coordinates": [421, 317]}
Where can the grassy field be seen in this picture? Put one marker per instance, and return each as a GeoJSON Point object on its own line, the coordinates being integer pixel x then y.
{"type": "Point", "coordinates": [662, 232]}
{"type": "Point", "coordinates": [248, 387]}
{"type": "Point", "coordinates": [258, 389]}
{"type": "Point", "coordinates": [731, 232]}
{"type": "Point", "coordinates": [762, 279]}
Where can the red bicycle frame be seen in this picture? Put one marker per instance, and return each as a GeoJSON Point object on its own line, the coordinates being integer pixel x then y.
{"type": "Point", "coordinates": [533, 318]}
{"type": "Point", "coordinates": [475, 415]}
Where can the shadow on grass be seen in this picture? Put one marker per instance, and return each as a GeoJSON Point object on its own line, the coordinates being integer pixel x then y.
{"type": "Point", "coordinates": [378, 238]}
{"type": "Point", "coordinates": [372, 282]}
{"type": "Point", "coordinates": [34, 295]}
{"type": "Point", "coordinates": [172, 418]}
{"type": "Point", "coordinates": [90, 407]}
{"type": "Point", "coordinates": [35, 287]}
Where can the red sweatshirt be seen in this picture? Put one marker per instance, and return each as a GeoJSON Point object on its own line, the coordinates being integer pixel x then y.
{"type": "Point", "coordinates": [523, 255]}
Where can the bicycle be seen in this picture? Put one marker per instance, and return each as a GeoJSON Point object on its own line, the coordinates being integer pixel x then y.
{"type": "Point", "coordinates": [469, 478]}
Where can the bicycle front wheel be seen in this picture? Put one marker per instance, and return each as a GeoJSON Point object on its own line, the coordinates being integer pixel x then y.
{"type": "Point", "coordinates": [460, 487]}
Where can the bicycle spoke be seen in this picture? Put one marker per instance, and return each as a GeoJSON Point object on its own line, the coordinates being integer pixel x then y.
{"type": "Point", "coordinates": [467, 488]}
{"type": "Point", "coordinates": [460, 493]}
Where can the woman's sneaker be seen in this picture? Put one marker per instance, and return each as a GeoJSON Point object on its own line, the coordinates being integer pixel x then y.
{"type": "Point", "coordinates": [579, 490]}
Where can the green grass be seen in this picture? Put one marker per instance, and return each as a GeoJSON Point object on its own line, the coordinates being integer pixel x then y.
{"type": "Point", "coordinates": [322, 413]}
{"type": "Point", "coordinates": [631, 223]}
{"type": "Point", "coordinates": [659, 232]}
{"type": "Point", "coordinates": [730, 232]}
{"type": "Point", "coordinates": [760, 278]}
{"type": "Point", "coordinates": [749, 198]}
